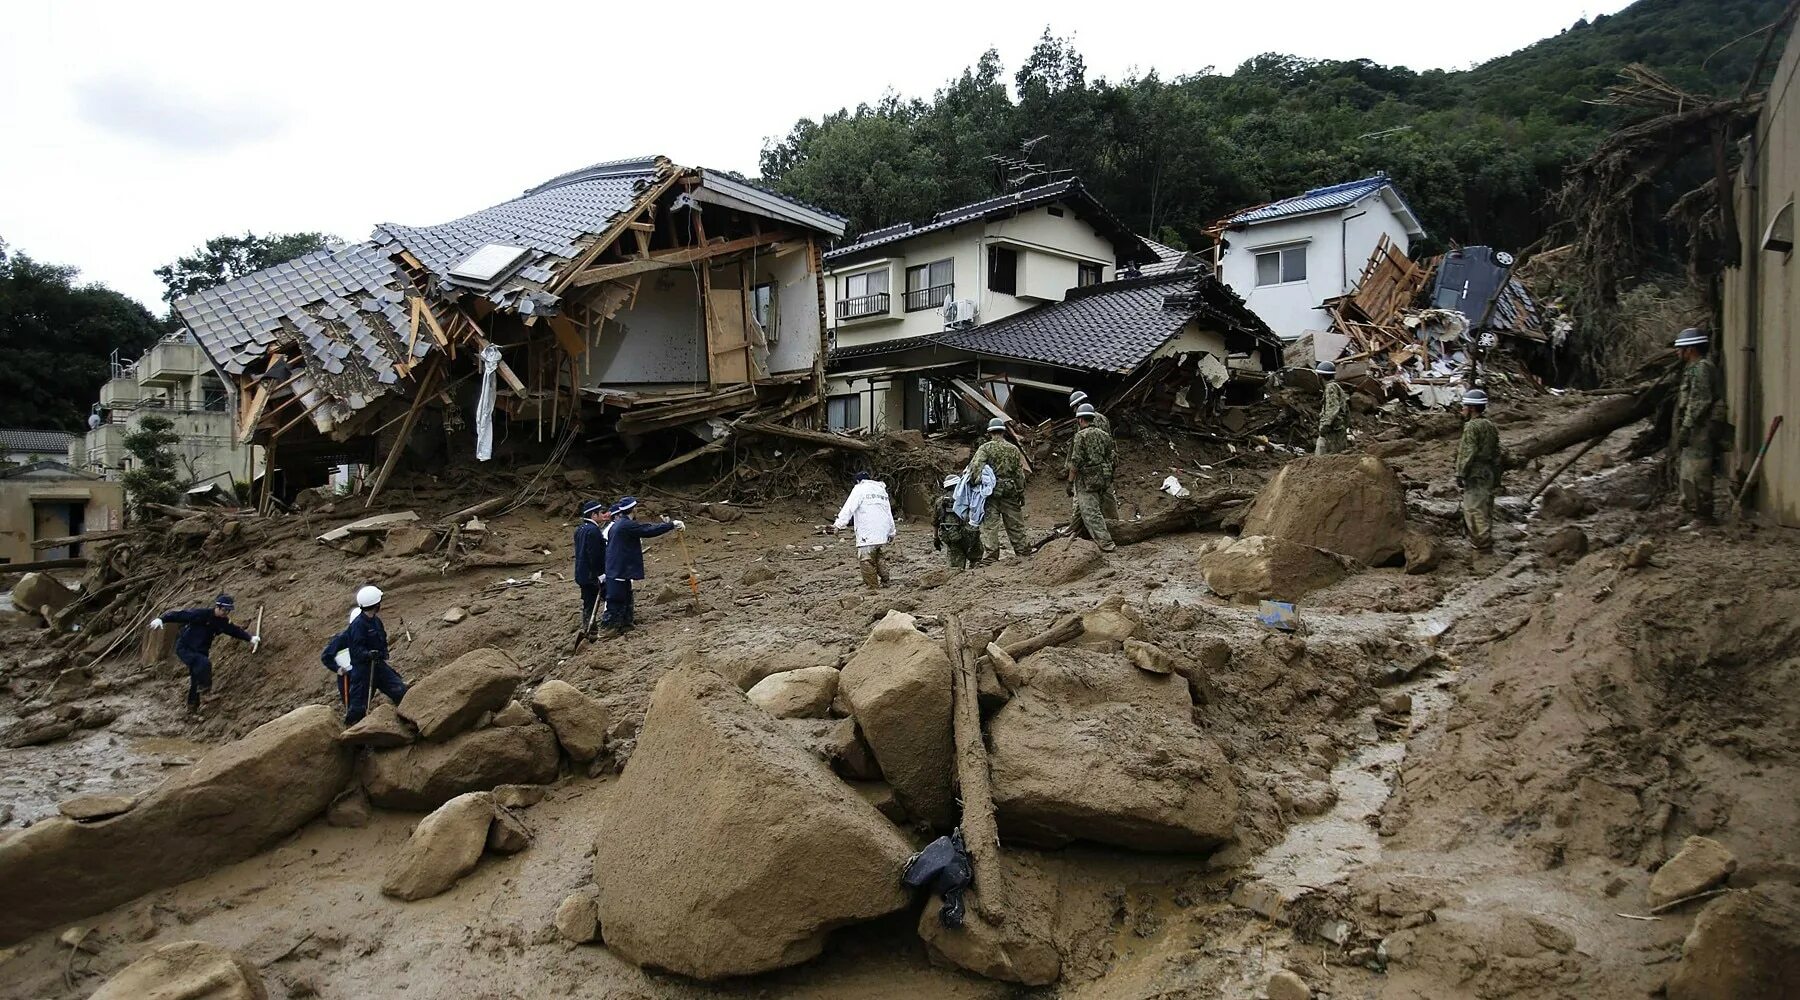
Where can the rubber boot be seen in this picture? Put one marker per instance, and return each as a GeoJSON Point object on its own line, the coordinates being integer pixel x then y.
{"type": "Point", "coordinates": [870, 575]}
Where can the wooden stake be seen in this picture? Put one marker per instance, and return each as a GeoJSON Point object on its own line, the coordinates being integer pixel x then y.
{"type": "Point", "coordinates": [420, 394]}
{"type": "Point", "coordinates": [981, 832]}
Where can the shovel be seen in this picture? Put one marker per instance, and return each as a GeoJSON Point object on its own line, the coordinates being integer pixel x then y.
{"type": "Point", "coordinates": [688, 557]}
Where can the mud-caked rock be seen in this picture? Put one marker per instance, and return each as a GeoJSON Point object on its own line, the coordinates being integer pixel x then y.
{"type": "Point", "coordinates": [1096, 749]}
{"type": "Point", "coordinates": [444, 847]}
{"type": "Point", "coordinates": [37, 591]}
{"type": "Point", "coordinates": [797, 694]}
{"type": "Point", "coordinates": [1262, 567]}
{"type": "Point", "coordinates": [514, 714]}
{"type": "Point", "coordinates": [449, 699]}
{"type": "Point", "coordinates": [898, 687]}
{"type": "Point", "coordinates": [1065, 561]}
{"type": "Point", "coordinates": [1349, 504]}
{"type": "Point", "coordinates": [1017, 950]}
{"type": "Point", "coordinates": [726, 849]}
{"type": "Point", "coordinates": [186, 970]}
{"type": "Point", "coordinates": [427, 775]}
{"type": "Point", "coordinates": [509, 834]}
{"type": "Point", "coordinates": [746, 668]}
{"type": "Point", "coordinates": [577, 918]}
{"type": "Point", "coordinates": [579, 721]}
{"type": "Point", "coordinates": [1700, 864]}
{"type": "Point", "coordinates": [212, 814]}
{"type": "Point", "coordinates": [382, 728]}
{"type": "Point", "coordinates": [840, 744]}
{"type": "Point", "coordinates": [1744, 944]}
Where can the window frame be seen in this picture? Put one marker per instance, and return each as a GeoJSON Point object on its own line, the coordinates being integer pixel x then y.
{"type": "Point", "coordinates": [851, 402]}
{"type": "Point", "coordinates": [925, 303]}
{"type": "Point", "coordinates": [1083, 268]}
{"type": "Point", "coordinates": [1280, 252]}
{"type": "Point", "coordinates": [770, 321]}
{"type": "Point", "coordinates": [1012, 279]}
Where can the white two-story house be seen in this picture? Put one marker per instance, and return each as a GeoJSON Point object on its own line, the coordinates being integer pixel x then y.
{"type": "Point", "coordinates": [1287, 257]}
{"type": "Point", "coordinates": [964, 268]}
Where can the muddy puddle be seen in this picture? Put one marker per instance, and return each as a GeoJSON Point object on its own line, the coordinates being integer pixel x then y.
{"type": "Point", "coordinates": [35, 780]}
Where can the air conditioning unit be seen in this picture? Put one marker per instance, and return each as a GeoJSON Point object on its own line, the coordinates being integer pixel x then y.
{"type": "Point", "coordinates": [959, 314]}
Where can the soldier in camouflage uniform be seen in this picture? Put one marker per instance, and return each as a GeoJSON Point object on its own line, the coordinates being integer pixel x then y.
{"type": "Point", "coordinates": [1478, 461]}
{"type": "Point", "coordinates": [1691, 437]}
{"type": "Point", "coordinates": [959, 540]}
{"type": "Point", "coordinates": [1007, 504]}
{"type": "Point", "coordinates": [1090, 472]}
{"type": "Point", "coordinates": [1334, 414]}
{"type": "Point", "coordinates": [1110, 501]}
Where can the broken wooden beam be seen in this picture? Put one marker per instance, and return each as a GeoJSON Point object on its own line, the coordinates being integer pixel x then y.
{"type": "Point", "coordinates": [1063, 631]}
{"type": "Point", "coordinates": [43, 564]}
{"type": "Point", "coordinates": [828, 439]}
{"type": "Point", "coordinates": [709, 448]}
{"type": "Point", "coordinates": [981, 832]}
{"type": "Point", "coordinates": [1595, 421]}
{"type": "Point", "coordinates": [674, 258]}
{"type": "Point", "coordinates": [485, 507]}
{"type": "Point", "coordinates": [83, 539]}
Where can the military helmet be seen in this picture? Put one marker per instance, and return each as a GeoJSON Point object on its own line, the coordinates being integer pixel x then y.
{"type": "Point", "coordinates": [1087, 410]}
{"type": "Point", "coordinates": [1474, 397]}
{"type": "Point", "coordinates": [1077, 398]}
{"type": "Point", "coordinates": [996, 424]}
{"type": "Point", "coordinates": [1692, 337]}
{"type": "Point", "coordinates": [1325, 368]}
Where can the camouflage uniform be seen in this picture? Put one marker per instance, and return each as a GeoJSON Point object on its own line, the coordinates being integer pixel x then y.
{"type": "Point", "coordinates": [1007, 504]}
{"type": "Point", "coordinates": [1334, 422]}
{"type": "Point", "coordinates": [959, 541]}
{"type": "Point", "coordinates": [1692, 437]}
{"type": "Point", "coordinates": [1109, 500]}
{"type": "Point", "coordinates": [1478, 472]}
{"type": "Point", "coordinates": [1091, 460]}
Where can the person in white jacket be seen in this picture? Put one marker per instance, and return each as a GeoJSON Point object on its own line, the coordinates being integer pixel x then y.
{"type": "Point", "coordinates": [868, 506]}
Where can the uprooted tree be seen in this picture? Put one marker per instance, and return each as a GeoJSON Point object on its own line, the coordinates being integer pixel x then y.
{"type": "Point", "coordinates": [153, 476]}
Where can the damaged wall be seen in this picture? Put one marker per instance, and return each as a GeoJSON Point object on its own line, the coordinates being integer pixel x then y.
{"type": "Point", "coordinates": [796, 343]}
{"type": "Point", "coordinates": [657, 340]}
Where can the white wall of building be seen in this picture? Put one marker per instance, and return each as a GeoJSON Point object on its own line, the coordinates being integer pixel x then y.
{"type": "Point", "coordinates": [1338, 244]}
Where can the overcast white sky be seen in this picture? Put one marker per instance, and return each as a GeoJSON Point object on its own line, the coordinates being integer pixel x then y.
{"type": "Point", "coordinates": [132, 131]}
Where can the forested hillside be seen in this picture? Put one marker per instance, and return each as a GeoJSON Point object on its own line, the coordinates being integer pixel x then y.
{"type": "Point", "coordinates": [1476, 152]}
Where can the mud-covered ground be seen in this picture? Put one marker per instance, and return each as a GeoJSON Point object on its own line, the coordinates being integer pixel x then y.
{"type": "Point", "coordinates": [1572, 719]}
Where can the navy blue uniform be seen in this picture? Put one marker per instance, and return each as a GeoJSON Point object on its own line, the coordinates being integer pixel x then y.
{"type": "Point", "coordinates": [199, 627]}
{"type": "Point", "coordinates": [590, 566]}
{"type": "Point", "coordinates": [369, 670]}
{"type": "Point", "coordinates": [625, 563]}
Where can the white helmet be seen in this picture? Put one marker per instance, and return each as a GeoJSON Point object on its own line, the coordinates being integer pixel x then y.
{"type": "Point", "coordinates": [368, 597]}
{"type": "Point", "coordinates": [1691, 337]}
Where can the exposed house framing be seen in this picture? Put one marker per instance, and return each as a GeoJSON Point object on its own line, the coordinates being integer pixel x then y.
{"type": "Point", "coordinates": [626, 298]}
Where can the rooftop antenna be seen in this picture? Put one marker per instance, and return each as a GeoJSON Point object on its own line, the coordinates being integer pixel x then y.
{"type": "Point", "coordinates": [1014, 172]}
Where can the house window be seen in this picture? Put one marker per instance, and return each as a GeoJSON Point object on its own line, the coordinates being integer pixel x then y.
{"type": "Point", "coordinates": [844, 412]}
{"type": "Point", "coordinates": [864, 294]}
{"type": "Point", "coordinates": [1281, 265]}
{"type": "Point", "coordinates": [1055, 210]}
{"type": "Point", "coordinates": [1003, 270]}
{"type": "Point", "coordinates": [929, 285]}
{"type": "Point", "coordinates": [1087, 274]}
{"type": "Point", "coordinates": [762, 309]}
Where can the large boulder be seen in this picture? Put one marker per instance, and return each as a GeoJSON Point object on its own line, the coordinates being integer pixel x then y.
{"type": "Point", "coordinates": [213, 814]}
{"type": "Point", "coordinates": [1018, 950]}
{"type": "Point", "coordinates": [427, 775]}
{"type": "Point", "coordinates": [797, 694]}
{"type": "Point", "coordinates": [1744, 944]}
{"type": "Point", "coordinates": [1096, 749]}
{"type": "Point", "coordinates": [898, 687]}
{"type": "Point", "coordinates": [840, 744]}
{"type": "Point", "coordinates": [1258, 567]}
{"type": "Point", "coordinates": [36, 592]}
{"type": "Point", "coordinates": [746, 667]}
{"type": "Point", "coordinates": [449, 699]}
{"type": "Point", "coordinates": [186, 970]}
{"type": "Point", "coordinates": [1350, 504]}
{"type": "Point", "coordinates": [444, 847]}
{"type": "Point", "coordinates": [382, 728]}
{"type": "Point", "coordinates": [579, 721]}
{"type": "Point", "coordinates": [1701, 864]}
{"type": "Point", "coordinates": [726, 849]}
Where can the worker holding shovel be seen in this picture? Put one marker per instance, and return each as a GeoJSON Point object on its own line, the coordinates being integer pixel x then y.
{"type": "Point", "coordinates": [199, 627]}
{"type": "Point", "coordinates": [359, 655]}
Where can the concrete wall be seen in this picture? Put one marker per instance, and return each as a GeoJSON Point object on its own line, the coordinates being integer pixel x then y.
{"type": "Point", "coordinates": [658, 340]}
{"type": "Point", "coordinates": [1758, 357]}
{"type": "Point", "coordinates": [102, 505]}
{"type": "Point", "coordinates": [1337, 248]}
{"type": "Point", "coordinates": [1050, 249]}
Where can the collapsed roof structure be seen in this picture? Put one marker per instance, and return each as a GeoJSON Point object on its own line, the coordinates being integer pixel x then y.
{"type": "Point", "coordinates": [628, 296]}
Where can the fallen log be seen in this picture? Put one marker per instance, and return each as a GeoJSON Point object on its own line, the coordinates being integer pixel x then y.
{"type": "Point", "coordinates": [92, 536]}
{"type": "Point", "coordinates": [1595, 421]}
{"type": "Point", "coordinates": [981, 832]}
{"type": "Point", "coordinates": [826, 438]}
{"type": "Point", "coordinates": [1205, 512]}
{"type": "Point", "coordinates": [42, 564]}
{"type": "Point", "coordinates": [1064, 631]}
{"type": "Point", "coordinates": [487, 506]}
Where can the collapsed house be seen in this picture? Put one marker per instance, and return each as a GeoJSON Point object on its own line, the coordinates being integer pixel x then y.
{"type": "Point", "coordinates": [624, 299]}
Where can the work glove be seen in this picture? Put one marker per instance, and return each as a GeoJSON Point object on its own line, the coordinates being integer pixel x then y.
{"type": "Point", "coordinates": [156, 624]}
{"type": "Point", "coordinates": [343, 671]}
{"type": "Point", "coordinates": [255, 641]}
{"type": "Point", "coordinates": [679, 525]}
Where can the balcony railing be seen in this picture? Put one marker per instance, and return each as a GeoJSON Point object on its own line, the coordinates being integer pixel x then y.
{"type": "Point", "coordinates": [928, 298]}
{"type": "Point", "coordinates": [863, 305]}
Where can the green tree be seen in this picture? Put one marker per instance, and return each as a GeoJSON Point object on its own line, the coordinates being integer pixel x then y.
{"type": "Point", "coordinates": [226, 257]}
{"type": "Point", "coordinates": [56, 338]}
{"type": "Point", "coordinates": [152, 477]}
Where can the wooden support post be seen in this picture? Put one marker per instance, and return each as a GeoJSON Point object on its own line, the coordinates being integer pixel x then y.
{"type": "Point", "coordinates": [710, 448]}
{"type": "Point", "coordinates": [420, 394]}
{"type": "Point", "coordinates": [827, 438]}
{"type": "Point", "coordinates": [269, 472]}
{"type": "Point", "coordinates": [247, 426]}
{"type": "Point", "coordinates": [981, 833]}
{"type": "Point", "coordinates": [818, 373]}
{"type": "Point", "coordinates": [706, 326]}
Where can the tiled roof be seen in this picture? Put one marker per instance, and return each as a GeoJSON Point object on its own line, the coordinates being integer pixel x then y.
{"type": "Point", "coordinates": [1323, 199]}
{"type": "Point", "coordinates": [1167, 258]}
{"type": "Point", "coordinates": [61, 468]}
{"type": "Point", "coordinates": [342, 309]}
{"type": "Point", "coordinates": [46, 442]}
{"type": "Point", "coordinates": [880, 347]}
{"type": "Point", "coordinates": [1129, 245]}
{"type": "Point", "coordinates": [1112, 327]}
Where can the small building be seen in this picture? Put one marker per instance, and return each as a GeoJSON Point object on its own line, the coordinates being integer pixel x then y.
{"type": "Point", "coordinates": [1287, 257]}
{"type": "Point", "coordinates": [49, 499]}
{"type": "Point", "coordinates": [173, 379]}
{"type": "Point", "coordinates": [964, 268]}
{"type": "Point", "coordinates": [24, 447]}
